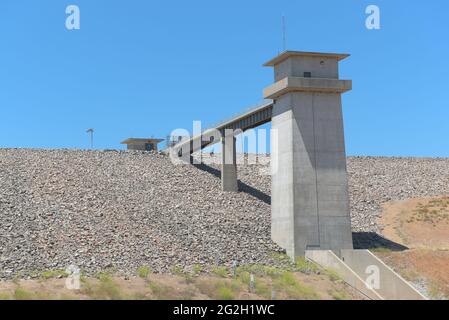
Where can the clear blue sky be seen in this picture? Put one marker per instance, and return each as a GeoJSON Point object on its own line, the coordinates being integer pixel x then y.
{"type": "Point", "coordinates": [118, 73]}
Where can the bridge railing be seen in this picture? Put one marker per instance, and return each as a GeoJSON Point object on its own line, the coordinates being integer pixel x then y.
{"type": "Point", "coordinates": [254, 107]}
{"type": "Point", "coordinates": [260, 104]}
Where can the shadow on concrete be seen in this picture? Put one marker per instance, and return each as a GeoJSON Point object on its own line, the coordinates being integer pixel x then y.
{"type": "Point", "coordinates": [371, 240]}
{"type": "Point", "coordinates": [243, 187]}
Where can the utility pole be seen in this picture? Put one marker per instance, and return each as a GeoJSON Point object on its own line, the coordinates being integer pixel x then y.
{"type": "Point", "coordinates": [91, 131]}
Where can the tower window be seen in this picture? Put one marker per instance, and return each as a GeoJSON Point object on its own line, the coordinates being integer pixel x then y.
{"type": "Point", "coordinates": [307, 74]}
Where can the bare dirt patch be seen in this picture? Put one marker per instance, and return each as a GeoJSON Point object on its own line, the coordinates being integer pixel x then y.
{"type": "Point", "coordinates": [422, 225]}
{"type": "Point", "coordinates": [417, 223]}
{"type": "Point", "coordinates": [429, 268]}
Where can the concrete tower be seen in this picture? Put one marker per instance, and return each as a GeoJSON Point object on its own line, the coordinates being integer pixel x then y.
{"type": "Point", "coordinates": [310, 203]}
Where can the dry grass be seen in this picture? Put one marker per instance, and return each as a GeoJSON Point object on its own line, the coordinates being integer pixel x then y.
{"type": "Point", "coordinates": [302, 280]}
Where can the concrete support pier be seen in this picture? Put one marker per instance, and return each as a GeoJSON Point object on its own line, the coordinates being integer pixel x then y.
{"type": "Point", "coordinates": [229, 163]}
{"type": "Point", "coordinates": [309, 200]}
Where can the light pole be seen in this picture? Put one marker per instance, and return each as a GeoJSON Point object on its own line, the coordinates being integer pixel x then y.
{"type": "Point", "coordinates": [91, 131]}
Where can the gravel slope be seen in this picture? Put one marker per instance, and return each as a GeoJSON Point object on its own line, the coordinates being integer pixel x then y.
{"type": "Point", "coordinates": [101, 209]}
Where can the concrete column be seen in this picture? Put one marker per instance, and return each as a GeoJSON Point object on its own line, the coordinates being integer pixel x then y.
{"type": "Point", "coordinates": [310, 203]}
{"type": "Point", "coordinates": [229, 164]}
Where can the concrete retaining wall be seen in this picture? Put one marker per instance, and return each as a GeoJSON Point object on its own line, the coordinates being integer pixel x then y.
{"type": "Point", "coordinates": [366, 273]}
{"type": "Point", "coordinates": [329, 260]}
{"type": "Point", "coordinates": [388, 284]}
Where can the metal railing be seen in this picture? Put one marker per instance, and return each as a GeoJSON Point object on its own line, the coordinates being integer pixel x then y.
{"type": "Point", "coordinates": [252, 109]}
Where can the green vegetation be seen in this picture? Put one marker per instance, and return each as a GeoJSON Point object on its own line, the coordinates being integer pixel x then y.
{"type": "Point", "coordinates": [220, 289]}
{"type": "Point", "coordinates": [177, 270]}
{"type": "Point", "coordinates": [143, 272]}
{"type": "Point", "coordinates": [52, 274]}
{"type": "Point", "coordinates": [160, 291]}
{"type": "Point", "coordinates": [339, 295]}
{"type": "Point", "coordinates": [285, 280]}
{"type": "Point", "coordinates": [294, 288]}
{"type": "Point", "coordinates": [282, 258]}
{"type": "Point", "coordinates": [381, 250]}
{"type": "Point", "coordinates": [434, 292]}
{"type": "Point", "coordinates": [263, 288]}
{"type": "Point", "coordinates": [104, 289]}
{"type": "Point", "coordinates": [197, 269]}
{"type": "Point", "coordinates": [225, 293]}
{"type": "Point", "coordinates": [333, 275]}
{"type": "Point", "coordinates": [260, 270]}
{"type": "Point", "coordinates": [280, 280]}
{"type": "Point", "coordinates": [220, 271]}
{"type": "Point", "coordinates": [22, 294]}
{"type": "Point", "coordinates": [5, 296]}
{"type": "Point", "coordinates": [108, 287]}
{"type": "Point", "coordinates": [306, 266]}
{"type": "Point", "coordinates": [301, 264]}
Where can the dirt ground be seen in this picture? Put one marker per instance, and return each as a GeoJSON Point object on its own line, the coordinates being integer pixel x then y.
{"type": "Point", "coordinates": [422, 225]}
{"type": "Point", "coordinates": [418, 223]}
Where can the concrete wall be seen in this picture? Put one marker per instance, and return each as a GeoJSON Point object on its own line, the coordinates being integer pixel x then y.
{"type": "Point", "coordinates": [356, 269]}
{"type": "Point", "coordinates": [328, 260]}
{"type": "Point", "coordinates": [310, 201]}
{"type": "Point", "coordinates": [309, 188]}
{"type": "Point", "coordinates": [391, 285]}
{"type": "Point", "coordinates": [142, 146]}
{"type": "Point", "coordinates": [296, 66]}
{"type": "Point", "coordinates": [282, 192]}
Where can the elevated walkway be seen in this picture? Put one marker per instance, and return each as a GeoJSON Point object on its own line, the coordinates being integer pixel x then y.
{"type": "Point", "coordinates": [248, 119]}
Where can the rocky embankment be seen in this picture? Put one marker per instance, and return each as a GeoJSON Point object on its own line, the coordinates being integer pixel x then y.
{"type": "Point", "coordinates": [122, 210]}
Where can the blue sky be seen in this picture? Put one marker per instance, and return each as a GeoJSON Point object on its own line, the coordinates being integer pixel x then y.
{"type": "Point", "coordinates": [141, 68]}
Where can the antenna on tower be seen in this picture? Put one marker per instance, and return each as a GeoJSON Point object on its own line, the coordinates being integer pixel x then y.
{"type": "Point", "coordinates": [91, 131]}
{"type": "Point", "coordinates": [284, 36]}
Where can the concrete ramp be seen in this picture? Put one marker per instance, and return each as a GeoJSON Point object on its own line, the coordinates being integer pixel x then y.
{"type": "Point", "coordinates": [329, 260]}
{"type": "Point", "coordinates": [389, 284]}
{"type": "Point", "coordinates": [366, 273]}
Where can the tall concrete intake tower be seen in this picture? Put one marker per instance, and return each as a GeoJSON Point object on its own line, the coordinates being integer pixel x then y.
{"type": "Point", "coordinates": [309, 199]}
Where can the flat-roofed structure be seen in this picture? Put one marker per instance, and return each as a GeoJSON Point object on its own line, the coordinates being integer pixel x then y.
{"type": "Point", "coordinates": [309, 193]}
{"type": "Point", "coordinates": [142, 144]}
